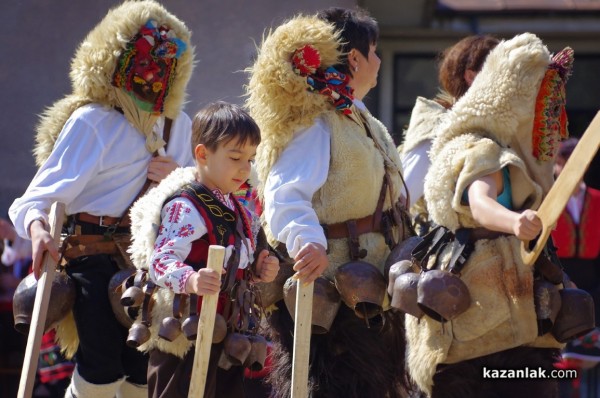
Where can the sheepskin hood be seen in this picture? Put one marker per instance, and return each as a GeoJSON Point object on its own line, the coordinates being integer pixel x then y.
{"type": "Point", "coordinates": [94, 64]}
{"type": "Point", "coordinates": [277, 97]}
{"type": "Point", "coordinates": [488, 129]}
{"type": "Point", "coordinates": [501, 105]}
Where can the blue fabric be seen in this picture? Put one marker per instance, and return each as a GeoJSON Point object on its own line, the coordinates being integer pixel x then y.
{"type": "Point", "coordinates": [505, 198]}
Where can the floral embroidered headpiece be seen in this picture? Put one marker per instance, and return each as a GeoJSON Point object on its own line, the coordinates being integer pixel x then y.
{"type": "Point", "coordinates": [550, 120]}
{"type": "Point", "coordinates": [306, 62]}
{"type": "Point", "coordinates": [149, 60]}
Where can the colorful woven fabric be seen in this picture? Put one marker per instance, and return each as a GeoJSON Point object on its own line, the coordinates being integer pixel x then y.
{"type": "Point", "coordinates": [52, 364]}
{"type": "Point", "coordinates": [550, 122]}
{"type": "Point", "coordinates": [149, 60]}
{"type": "Point", "coordinates": [329, 82]}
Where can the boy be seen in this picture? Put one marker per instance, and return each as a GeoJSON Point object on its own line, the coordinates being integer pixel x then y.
{"type": "Point", "coordinates": [194, 208]}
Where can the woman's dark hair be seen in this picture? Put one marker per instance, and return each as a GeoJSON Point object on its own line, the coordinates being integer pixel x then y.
{"type": "Point", "coordinates": [357, 30]}
{"type": "Point", "coordinates": [221, 122]}
{"type": "Point", "coordinates": [468, 53]}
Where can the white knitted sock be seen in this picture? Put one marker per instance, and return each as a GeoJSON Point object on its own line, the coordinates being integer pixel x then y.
{"type": "Point", "coordinates": [130, 390]}
{"type": "Point", "coordinates": [81, 388]}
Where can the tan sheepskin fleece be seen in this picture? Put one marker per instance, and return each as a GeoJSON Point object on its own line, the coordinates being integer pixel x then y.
{"type": "Point", "coordinates": [424, 119]}
{"type": "Point", "coordinates": [277, 97]}
{"type": "Point", "coordinates": [145, 220]}
{"type": "Point", "coordinates": [94, 64]}
{"type": "Point", "coordinates": [473, 140]}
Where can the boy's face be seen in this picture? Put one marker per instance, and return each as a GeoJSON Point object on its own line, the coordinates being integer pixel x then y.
{"type": "Point", "coordinates": [226, 168]}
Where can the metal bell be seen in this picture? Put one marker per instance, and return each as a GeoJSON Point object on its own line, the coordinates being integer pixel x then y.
{"type": "Point", "coordinates": [404, 295]}
{"type": "Point", "coordinates": [442, 295]}
{"type": "Point", "coordinates": [397, 269]}
{"type": "Point", "coordinates": [139, 333]}
{"type": "Point", "coordinates": [258, 353]}
{"type": "Point", "coordinates": [402, 251]}
{"type": "Point", "coordinates": [124, 277]}
{"type": "Point", "coordinates": [576, 315]}
{"type": "Point", "coordinates": [362, 288]}
{"type": "Point", "coordinates": [326, 303]}
{"type": "Point", "coordinates": [546, 298]}
{"type": "Point", "coordinates": [170, 328]}
{"type": "Point", "coordinates": [62, 298]}
{"type": "Point", "coordinates": [237, 348]}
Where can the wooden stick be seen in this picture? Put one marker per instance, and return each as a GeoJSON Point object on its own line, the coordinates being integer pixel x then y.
{"type": "Point", "coordinates": [558, 196]}
{"type": "Point", "coordinates": [40, 307]}
{"type": "Point", "coordinates": [216, 255]}
{"type": "Point", "coordinates": [302, 332]}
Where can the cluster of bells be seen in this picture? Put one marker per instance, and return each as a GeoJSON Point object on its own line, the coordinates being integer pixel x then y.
{"type": "Point", "coordinates": [561, 308]}
{"type": "Point", "coordinates": [239, 349]}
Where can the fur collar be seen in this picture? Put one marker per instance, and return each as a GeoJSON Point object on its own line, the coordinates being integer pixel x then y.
{"type": "Point", "coordinates": [145, 214]}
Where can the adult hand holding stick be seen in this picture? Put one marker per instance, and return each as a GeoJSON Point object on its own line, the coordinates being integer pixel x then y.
{"type": "Point", "coordinates": [40, 306]}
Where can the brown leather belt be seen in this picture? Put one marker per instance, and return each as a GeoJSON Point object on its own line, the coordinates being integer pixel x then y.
{"type": "Point", "coordinates": [363, 225]}
{"type": "Point", "coordinates": [102, 221]}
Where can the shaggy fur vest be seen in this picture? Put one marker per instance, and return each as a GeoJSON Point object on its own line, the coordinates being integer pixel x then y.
{"type": "Point", "coordinates": [472, 141]}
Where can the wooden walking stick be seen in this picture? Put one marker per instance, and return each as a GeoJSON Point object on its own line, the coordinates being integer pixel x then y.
{"type": "Point", "coordinates": [558, 196]}
{"type": "Point", "coordinates": [40, 307]}
{"type": "Point", "coordinates": [216, 255]}
{"type": "Point", "coordinates": [302, 332]}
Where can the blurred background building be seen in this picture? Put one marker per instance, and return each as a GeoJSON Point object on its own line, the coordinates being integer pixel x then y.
{"type": "Point", "coordinates": [44, 35]}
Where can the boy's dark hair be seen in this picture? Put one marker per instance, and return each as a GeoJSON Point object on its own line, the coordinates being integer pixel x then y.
{"type": "Point", "coordinates": [221, 122]}
{"type": "Point", "coordinates": [357, 30]}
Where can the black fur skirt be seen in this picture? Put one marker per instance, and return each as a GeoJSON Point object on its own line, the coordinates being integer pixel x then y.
{"type": "Point", "coordinates": [466, 378]}
{"type": "Point", "coordinates": [350, 361]}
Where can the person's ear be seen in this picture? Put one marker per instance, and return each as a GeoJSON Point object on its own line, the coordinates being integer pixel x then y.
{"type": "Point", "coordinates": [352, 60]}
{"type": "Point", "coordinates": [469, 76]}
{"type": "Point", "coordinates": [200, 153]}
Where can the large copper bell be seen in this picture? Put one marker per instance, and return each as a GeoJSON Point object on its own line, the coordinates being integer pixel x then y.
{"type": "Point", "coordinates": [272, 292]}
{"type": "Point", "coordinates": [62, 297]}
{"type": "Point", "coordinates": [189, 327]}
{"type": "Point", "coordinates": [576, 315]}
{"type": "Point", "coordinates": [402, 251]}
{"type": "Point", "coordinates": [124, 315]}
{"type": "Point", "coordinates": [237, 348]}
{"type": "Point", "coordinates": [258, 353]}
{"type": "Point", "coordinates": [170, 328]}
{"type": "Point", "coordinates": [397, 269]}
{"type": "Point", "coordinates": [442, 295]}
{"type": "Point", "coordinates": [362, 288]}
{"type": "Point", "coordinates": [326, 303]}
{"type": "Point", "coordinates": [139, 333]}
{"type": "Point", "coordinates": [404, 296]}
{"type": "Point", "coordinates": [133, 296]}
{"type": "Point", "coordinates": [546, 297]}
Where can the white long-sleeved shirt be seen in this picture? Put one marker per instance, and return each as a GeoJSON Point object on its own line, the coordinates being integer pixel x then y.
{"type": "Point", "coordinates": [98, 165]}
{"type": "Point", "coordinates": [302, 168]}
{"type": "Point", "coordinates": [415, 164]}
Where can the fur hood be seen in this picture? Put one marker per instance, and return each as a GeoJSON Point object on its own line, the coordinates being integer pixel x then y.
{"type": "Point", "coordinates": [501, 101]}
{"type": "Point", "coordinates": [489, 128]}
{"type": "Point", "coordinates": [277, 97]}
{"type": "Point", "coordinates": [95, 61]}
